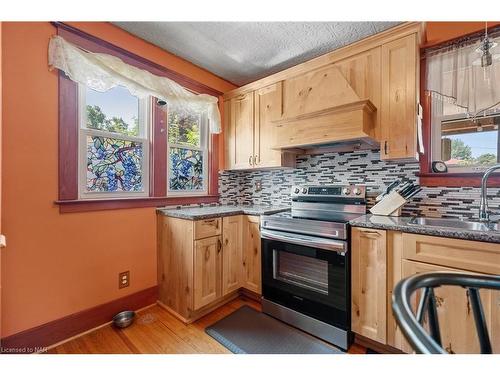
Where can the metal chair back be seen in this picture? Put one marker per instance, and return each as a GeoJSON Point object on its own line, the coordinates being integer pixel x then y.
{"type": "Point", "coordinates": [411, 324]}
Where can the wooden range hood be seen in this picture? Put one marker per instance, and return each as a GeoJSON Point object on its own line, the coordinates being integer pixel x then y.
{"type": "Point", "coordinates": [321, 108]}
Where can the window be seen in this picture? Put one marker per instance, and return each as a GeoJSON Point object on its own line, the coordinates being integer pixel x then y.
{"type": "Point", "coordinates": [187, 152]}
{"type": "Point", "coordinates": [466, 145]}
{"type": "Point", "coordinates": [113, 144]}
{"type": "Point", "coordinates": [114, 150]}
{"type": "Point", "coordinates": [462, 109]}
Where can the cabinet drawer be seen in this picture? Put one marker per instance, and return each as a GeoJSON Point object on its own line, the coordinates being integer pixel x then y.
{"type": "Point", "coordinates": [463, 254]}
{"type": "Point", "coordinates": [207, 228]}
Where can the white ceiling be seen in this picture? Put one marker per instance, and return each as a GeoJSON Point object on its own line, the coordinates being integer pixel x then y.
{"type": "Point", "coordinates": [242, 52]}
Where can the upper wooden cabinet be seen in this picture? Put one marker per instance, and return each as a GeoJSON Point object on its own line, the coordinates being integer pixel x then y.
{"type": "Point", "coordinates": [367, 91]}
{"type": "Point", "coordinates": [251, 133]}
{"type": "Point", "coordinates": [399, 99]}
{"type": "Point", "coordinates": [240, 132]}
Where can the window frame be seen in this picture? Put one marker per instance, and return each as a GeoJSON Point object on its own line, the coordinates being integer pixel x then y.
{"type": "Point", "coordinates": [204, 147]}
{"type": "Point", "coordinates": [68, 199]}
{"type": "Point", "coordinates": [427, 177]}
{"type": "Point", "coordinates": [144, 118]}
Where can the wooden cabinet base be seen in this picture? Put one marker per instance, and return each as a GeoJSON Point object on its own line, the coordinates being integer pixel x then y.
{"type": "Point", "coordinates": [195, 315]}
{"type": "Point", "coordinates": [375, 346]}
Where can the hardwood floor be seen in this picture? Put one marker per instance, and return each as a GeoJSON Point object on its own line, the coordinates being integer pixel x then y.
{"type": "Point", "coordinates": [156, 331]}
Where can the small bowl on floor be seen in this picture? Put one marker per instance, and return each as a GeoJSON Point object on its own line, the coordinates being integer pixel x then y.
{"type": "Point", "coordinates": [124, 319]}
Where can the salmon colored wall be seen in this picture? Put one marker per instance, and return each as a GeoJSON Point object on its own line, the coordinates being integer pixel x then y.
{"type": "Point", "coordinates": [439, 32]}
{"type": "Point", "coordinates": [58, 264]}
{"type": "Point", "coordinates": [1, 250]}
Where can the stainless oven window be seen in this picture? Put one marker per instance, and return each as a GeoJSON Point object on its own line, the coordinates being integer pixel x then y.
{"type": "Point", "coordinates": [305, 272]}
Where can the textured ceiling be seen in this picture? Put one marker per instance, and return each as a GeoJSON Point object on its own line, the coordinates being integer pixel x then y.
{"type": "Point", "coordinates": [242, 52]}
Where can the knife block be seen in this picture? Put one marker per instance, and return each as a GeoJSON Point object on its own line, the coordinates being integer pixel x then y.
{"type": "Point", "coordinates": [390, 205]}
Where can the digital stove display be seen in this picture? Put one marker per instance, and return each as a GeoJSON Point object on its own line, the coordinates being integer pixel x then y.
{"type": "Point", "coordinates": [336, 190]}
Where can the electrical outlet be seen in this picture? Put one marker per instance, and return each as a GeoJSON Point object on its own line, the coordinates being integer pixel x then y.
{"type": "Point", "coordinates": [123, 279]}
{"type": "Point", "coordinates": [258, 185]}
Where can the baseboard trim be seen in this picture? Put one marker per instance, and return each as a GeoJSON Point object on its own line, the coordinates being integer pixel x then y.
{"type": "Point", "coordinates": [46, 335]}
{"type": "Point", "coordinates": [374, 345]}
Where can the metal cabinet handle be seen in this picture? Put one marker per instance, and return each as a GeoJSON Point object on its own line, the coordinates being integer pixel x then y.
{"type": "Point", "coordinates": [250, 160]}
{"type": "Point", "coordinates": [256, 160]}
{"type": "Point", "coordinates": [385, 147]}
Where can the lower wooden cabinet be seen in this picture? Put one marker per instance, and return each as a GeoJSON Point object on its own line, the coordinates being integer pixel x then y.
{"type": "Point", "coordinates": [195, 275]}
{"type": "Point", "coordinates": [232, 243]}
{"type": "Point", "coordinates": [382, 258]}
{"type": "Point", "coordinates": [251, 279]}
{"type": "Point", "coordinates": [368, 283]}
{"type": "Point", "coordinates": [207, 271]}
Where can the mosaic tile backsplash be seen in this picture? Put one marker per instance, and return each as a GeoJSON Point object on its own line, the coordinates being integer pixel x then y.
{"type": "Point", "coordinates": [358, 167]}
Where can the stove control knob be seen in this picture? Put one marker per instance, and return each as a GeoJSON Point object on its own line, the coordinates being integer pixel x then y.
{"type": "Point", "coordinates": [356, 191]}
{"type": "Point", "coordinates": [346, 191]}
{"type": "Point", "coordinates": [296, 191]}
{"type": "Point", "coordinates": [304, 190]}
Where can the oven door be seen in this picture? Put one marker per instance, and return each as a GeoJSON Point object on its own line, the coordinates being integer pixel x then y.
{"type": "Point", "coordinates": [307, 274]}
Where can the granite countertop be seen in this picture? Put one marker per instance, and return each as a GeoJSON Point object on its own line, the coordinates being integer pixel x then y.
{"type": "Point", "coordinates": [401, 223]}
{"type": "Point", "coordinates": [209, 212]}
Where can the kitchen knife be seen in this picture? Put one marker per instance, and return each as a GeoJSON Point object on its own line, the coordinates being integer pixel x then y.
{"type": "Point", "coordinates": [413, 193]}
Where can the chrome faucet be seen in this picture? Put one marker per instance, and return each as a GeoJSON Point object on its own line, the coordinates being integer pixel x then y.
{"type": "Point", "coordinates": [484, 214]}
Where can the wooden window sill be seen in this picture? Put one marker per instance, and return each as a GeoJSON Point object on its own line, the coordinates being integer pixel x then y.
{"type": "Point", "coordinates": [456, 179]}
{"type": "Point", "coordinates": [84, 205]}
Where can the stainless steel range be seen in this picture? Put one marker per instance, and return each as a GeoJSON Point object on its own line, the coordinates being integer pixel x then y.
{"type": "Point", "coordinates": [306, 260]}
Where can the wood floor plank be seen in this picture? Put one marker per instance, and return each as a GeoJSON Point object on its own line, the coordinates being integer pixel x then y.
{"type": "Point", "coordinates": [156, 331]}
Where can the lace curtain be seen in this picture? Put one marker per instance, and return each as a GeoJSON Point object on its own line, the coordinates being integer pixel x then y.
{"type": "Point", "coordinates": [102, 72]}
{"type": "Point", "coordinates": [455, 76]}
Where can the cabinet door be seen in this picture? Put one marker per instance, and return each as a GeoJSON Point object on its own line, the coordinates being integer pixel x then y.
{"type": "Point", "coordinates": [268, 107]}
{"type": "Point", "coordinates": [368, 283]}
{"type": "Point", "coordinates": [242, 117]}
{"type": "Point", "coordinates": [231, 253]}
{"type": "Point", "coordinates": [456, 320]}
{"type": "Point", "coordinates": [207, 271]}
{"type": "Point", "coordinates": [399, 99]}
{"type": "Point", "coordinates": [251, 254]}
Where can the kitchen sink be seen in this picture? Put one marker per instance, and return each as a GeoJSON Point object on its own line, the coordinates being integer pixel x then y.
{"type": "Point", "coordinates": [454, 224]}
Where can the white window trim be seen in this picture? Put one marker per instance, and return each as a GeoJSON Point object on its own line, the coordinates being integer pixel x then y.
{"type": "Point", "coordinates": [436, 136]}
{"type": "Point", "coordinates": [145, 113]}
{"type": "Point", "coordinates": [205, 148]}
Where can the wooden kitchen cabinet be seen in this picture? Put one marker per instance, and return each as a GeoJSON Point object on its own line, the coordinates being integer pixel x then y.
{"type": "Point", "coordinates": [380, 259]}
{"type": "Point", "coordinates": [368, 283]}
{"type": "Point", "coordinates": [203, 264]}
{"type": "Point", "coordinates": [250, 131]}
{"type": "Point", "coordinates": [207, 271]}
{"type": "Point", "coordinates": [400, 87]}
{"type": "Point", "coordinates": [251, 279]}
{"type": "Point", "coordinates": [362, 95]}
{"type": "Point", "coordinates": [232, 247]}
{"type": "Point", "coordinates": [456, 321]}
{"type": "Point", "coordinates": [240, 132]}
{"type": "Point", "coordinates": [268, 108]}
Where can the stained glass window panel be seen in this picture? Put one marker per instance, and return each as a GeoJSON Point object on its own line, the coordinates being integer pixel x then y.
{"type": "Point", "coordinates": [114, 165]}
{"type": "Point", "coordinates": [186, 169]}
{"type": "Point", "coordinates": [115, 111]}
{"type": "Point", "coordinates": [184, 128]}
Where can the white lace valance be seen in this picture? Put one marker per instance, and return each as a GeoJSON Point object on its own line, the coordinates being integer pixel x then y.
{"type": "Point", "coordinates": [455, 76]}
{"type": "Point", "coordinates": [102, 72]}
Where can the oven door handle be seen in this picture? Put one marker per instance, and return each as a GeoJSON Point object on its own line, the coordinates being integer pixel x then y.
{"type": "Point", "coordinates": [316, 242]}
